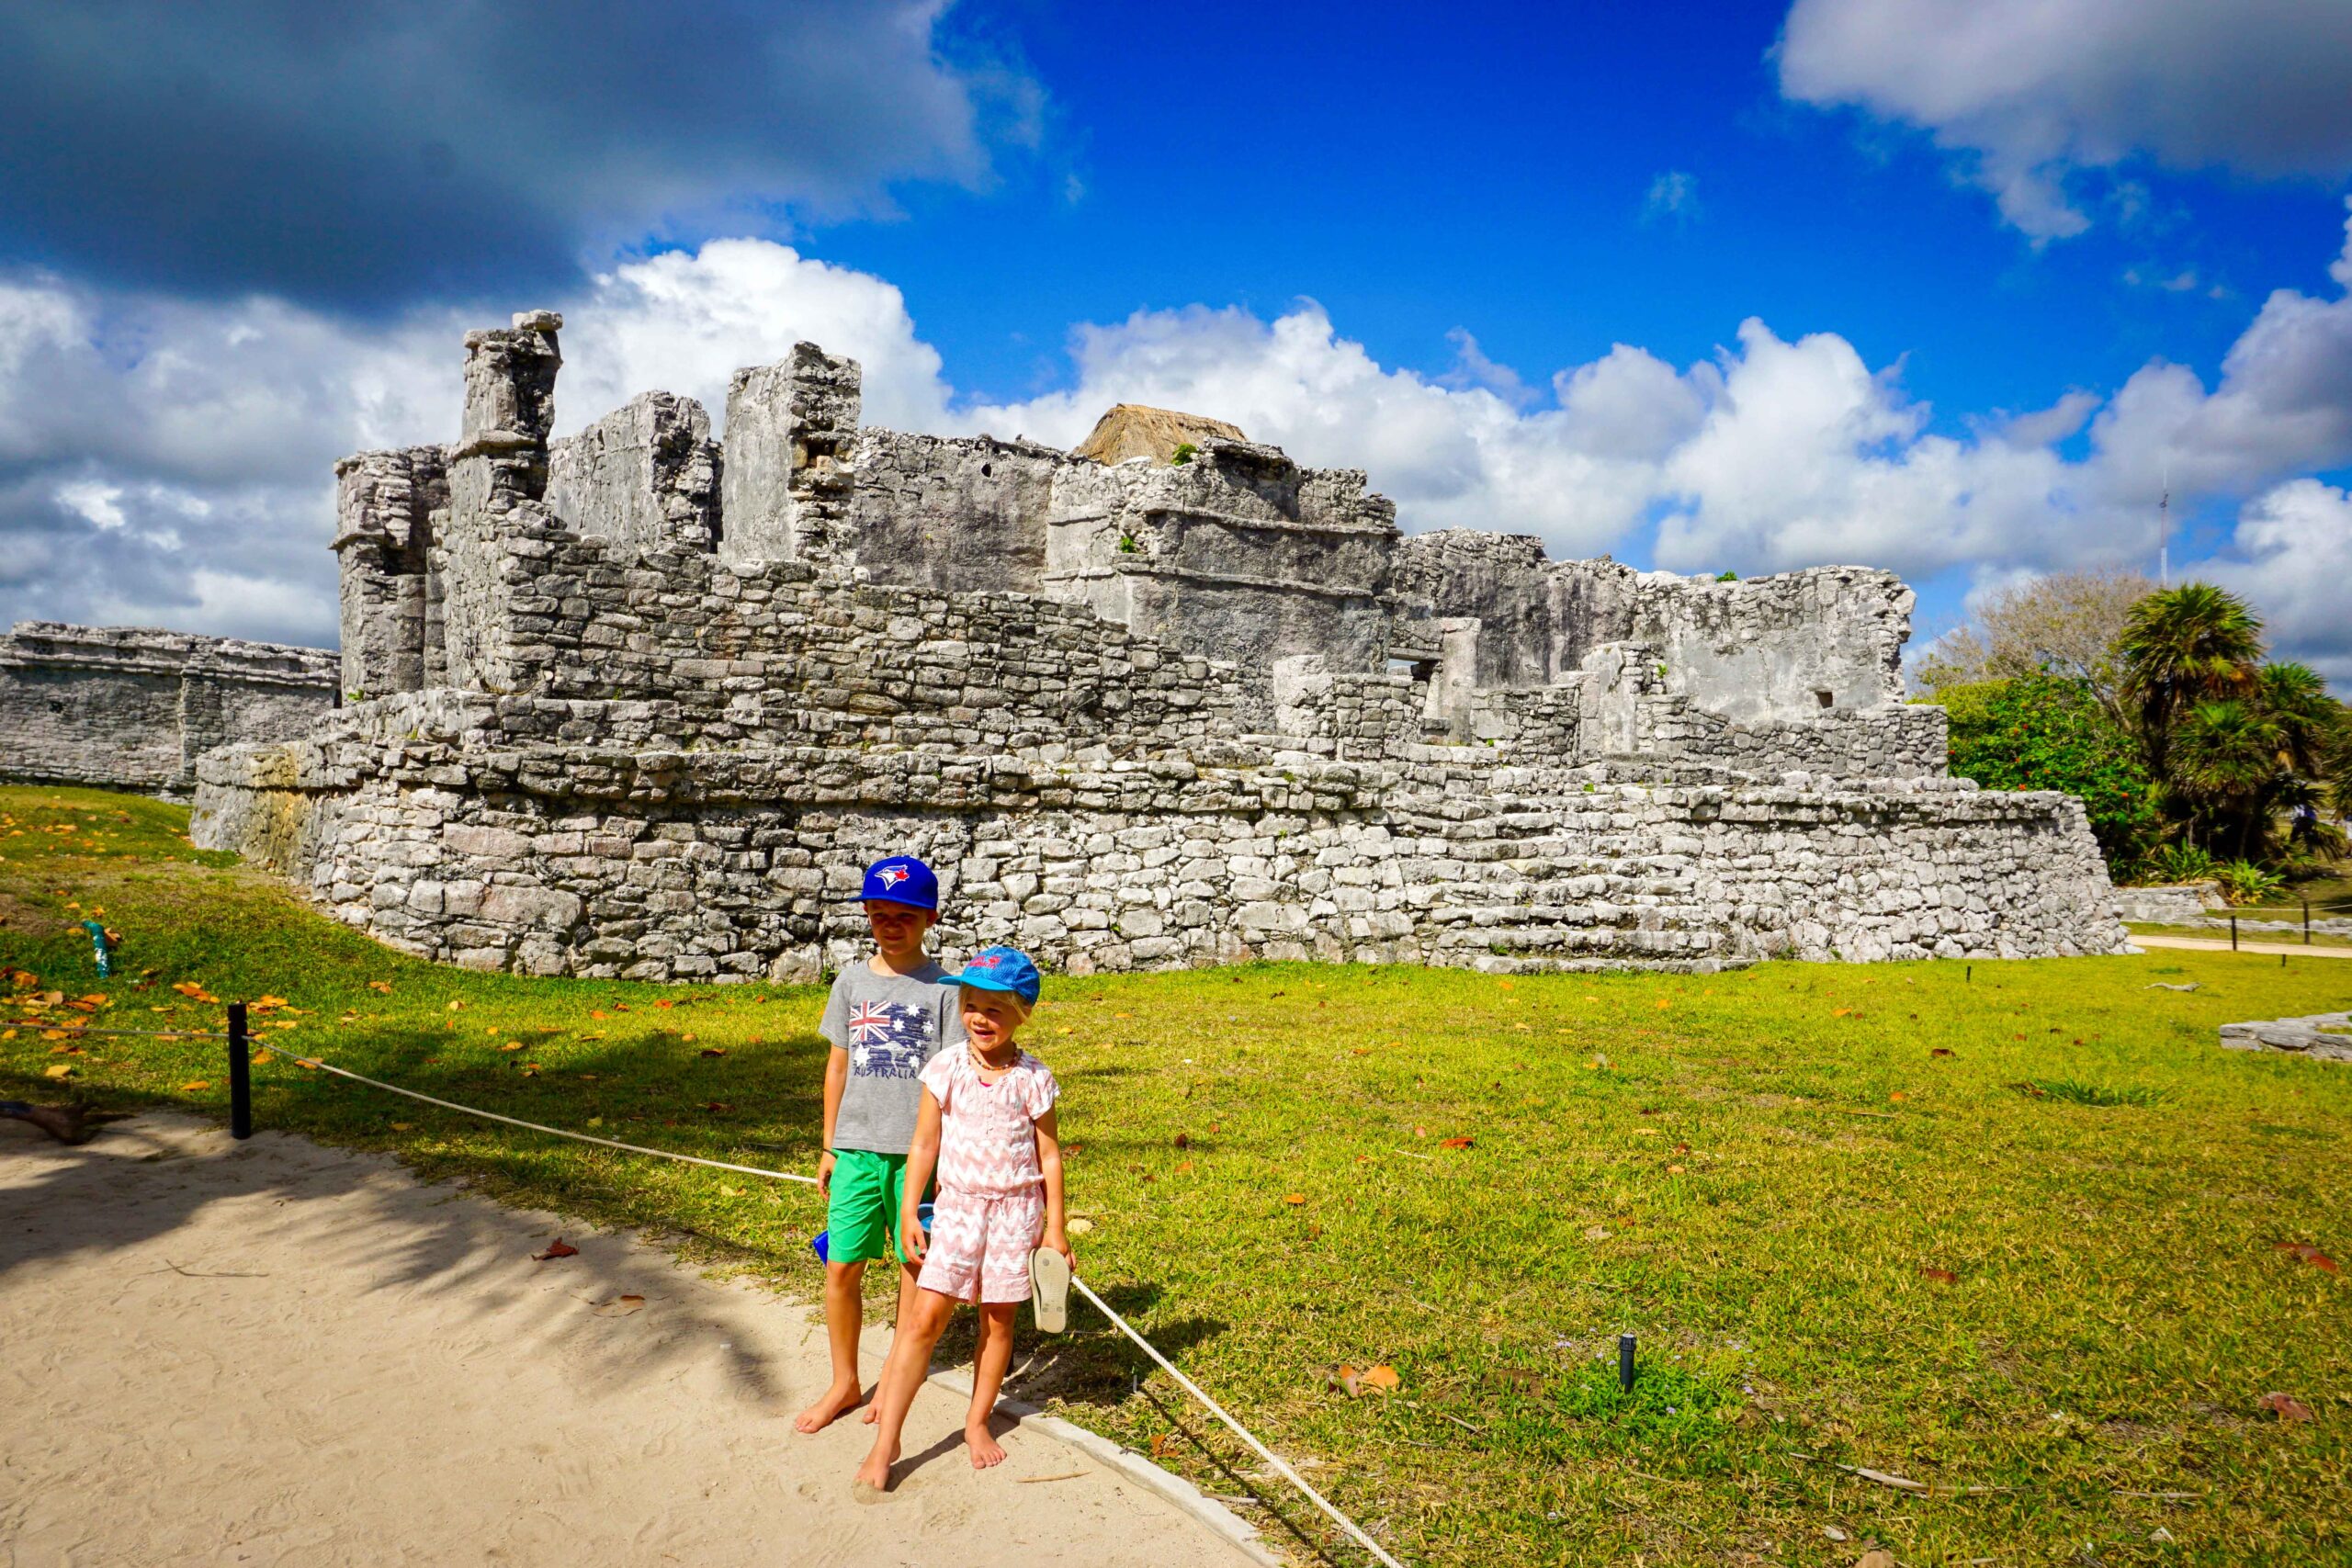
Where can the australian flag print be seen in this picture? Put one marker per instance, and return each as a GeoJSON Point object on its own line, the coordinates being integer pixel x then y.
{"type": "Point", "coordinates": [888, 1040]}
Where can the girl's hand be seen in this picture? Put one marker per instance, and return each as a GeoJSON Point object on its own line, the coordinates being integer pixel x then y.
{"type": "Point", "coordinates": [913, 1242]}
{"type": "Point", "coordinates": [1056, 1242]}
{"type": "Point", "coordinates": [825, 1172]}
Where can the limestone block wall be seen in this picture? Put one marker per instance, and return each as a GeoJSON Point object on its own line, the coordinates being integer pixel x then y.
{"type": "Point", "coordinates": [954, 515]}
{"type": "Point", "coordinates": [1781, 646]}
{"type": "Point", "coordinates": [133, 708]}
{"type": "Point", "coordinates": [645, 476]}
{"type": "Point", "coordinates": [389, 510]}
{"type": "Point", "coordinates": [609, 862]}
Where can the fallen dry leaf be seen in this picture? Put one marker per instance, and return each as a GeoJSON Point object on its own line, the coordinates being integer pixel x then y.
{"type": "Point", "coordinates": [712, 1050]}
{"type": "Point", "coordinates": [63, 1070]}
{"type": "Point", "coordinates": [1162, 1443]}
{"type": "Point", "coordinates": [2286, 1407]}
{"type": "Point", "coordinates": [559, 1247]}
{"type": "Point", "coordinates": [1896, 1096]}
{"type": "Point", "coordinates": [1459, 1144]}
{"type": "Point", "coordinates": [1674, 1170]}
{"type": "Point", "coordinates": [512, 1046]}
{"type": "Point", "coordinates": [454, 1005]}
{"type": "Point", "coordinates": [1940, 1275]}
{"type": "Point", "coordinates": [382, 988]}
{"type": "Point", "coordinates": [196, 1087]}
{"type": "Point", "coordinates": [1879, 1558]}
{"type": "Point", "coordinates": [1079, 1227]}
{"type": "Point", "coordinates": [619, 1307]}
{"type": "Point", "coordinates": [1941, 1051]}
{"type": "Point", "coordinates": [1381, 1377]}
{"type": "Point", "coordinates": [403, 1126]}
{"type": "Point", "coordinates": [1294, 1198]}
{"type": "Point", "coordinates": [2308, 1254]}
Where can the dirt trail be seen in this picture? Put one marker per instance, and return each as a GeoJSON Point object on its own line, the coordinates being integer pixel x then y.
{"type": "Point", "coordinates": [278, 1353]}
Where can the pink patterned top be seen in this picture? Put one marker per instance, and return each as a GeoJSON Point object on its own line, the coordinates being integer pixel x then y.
{"type": "Point", "coordinates": [987, 1139]}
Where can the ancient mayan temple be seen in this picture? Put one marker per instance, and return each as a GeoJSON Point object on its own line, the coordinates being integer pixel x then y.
{"type": "Point", "coordinates": [639, 703]}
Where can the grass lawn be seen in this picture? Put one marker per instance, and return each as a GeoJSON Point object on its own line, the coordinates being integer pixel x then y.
{"type": "Point", "coordinates": [1816, 1193]}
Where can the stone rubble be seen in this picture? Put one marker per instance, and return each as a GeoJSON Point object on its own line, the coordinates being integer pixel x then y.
{"type": "Point", "coordinates": [2325, 1036]}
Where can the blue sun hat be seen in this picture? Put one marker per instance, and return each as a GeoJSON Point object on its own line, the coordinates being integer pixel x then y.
{"type": "Point", "coordinates": [1001, 969]}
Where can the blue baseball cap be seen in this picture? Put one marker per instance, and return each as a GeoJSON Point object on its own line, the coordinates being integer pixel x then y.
{"type": "Point", "coordinates": [902, 879]}
{"type": "Point", "coordinates": [1001, 969]}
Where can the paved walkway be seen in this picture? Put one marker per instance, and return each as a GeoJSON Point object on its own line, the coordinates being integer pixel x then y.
{"type": "Point", "coordinates": [278, 1353]}
{"type": "Point", "coordinates": [2208, 944]}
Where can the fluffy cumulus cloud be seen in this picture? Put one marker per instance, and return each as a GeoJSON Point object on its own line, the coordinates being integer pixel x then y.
{"type": "Point", "coordinates": [2027, 93]}
{"type": "Point", "coordinates": [168, 462]}
{"type": "Point", "coordinates": [382, 150]}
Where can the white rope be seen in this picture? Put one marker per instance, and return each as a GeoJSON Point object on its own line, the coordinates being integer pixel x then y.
{"type": "Point", "coordinates": [1286, 1471]}
{"type": "Point", "coordinates": [536, 1127]}
{"type": "Point", "coordinates": [1214, 1408]}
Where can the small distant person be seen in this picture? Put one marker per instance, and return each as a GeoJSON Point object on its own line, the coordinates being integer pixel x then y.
{"type": "Point", "coordinates": [2306, 823]}
{"type": "Point", "coordinates": [996, 1236]}
{"type": "Point", "coordinates": [888, 1019]}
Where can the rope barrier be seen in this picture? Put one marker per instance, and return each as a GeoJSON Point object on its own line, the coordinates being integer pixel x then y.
{"type": "Point", "coordinates": [144, 1034]}
{"type": "Point", "coordinates": [1124, 1326]}
{"type": "Point", "coordinates": [1284, 1471]}
{"type": "Point", "coordinates": [537, 1127]}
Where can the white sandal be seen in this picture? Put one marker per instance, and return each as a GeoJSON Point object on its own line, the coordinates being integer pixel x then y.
{"type": "Point", "coordinates": [1049, 1289]}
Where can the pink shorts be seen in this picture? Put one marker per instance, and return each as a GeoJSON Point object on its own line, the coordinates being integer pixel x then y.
{"type": "Point", "coordinates": [980, 1247]}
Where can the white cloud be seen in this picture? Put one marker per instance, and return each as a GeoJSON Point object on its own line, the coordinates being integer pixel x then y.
{"type": "Point", "coordinates": [1674, 195]}
{"type": "Point", "coordinates": [170, 463]}
{"type": "Point", "coordinates": [2027, 93]}
{"type": "Point", "coordinates": [2291, 556]}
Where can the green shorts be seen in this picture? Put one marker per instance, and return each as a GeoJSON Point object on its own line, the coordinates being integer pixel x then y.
{"type": "Point", "coordinates": [862, 1220]}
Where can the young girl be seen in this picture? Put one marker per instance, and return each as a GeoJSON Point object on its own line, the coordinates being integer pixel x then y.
{"type": "Point", "coordinates": [987, 1121]}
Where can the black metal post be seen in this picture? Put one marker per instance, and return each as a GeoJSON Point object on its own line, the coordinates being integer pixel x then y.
{"type": "Point", "coordinates": [2307, 922]}
{"type": "Point", "coordinates": [241, 1074]}
{"type": "Point", "coordinates": [2233, 932]}
{"type": "Point", "coordinates": [1626, 1363]}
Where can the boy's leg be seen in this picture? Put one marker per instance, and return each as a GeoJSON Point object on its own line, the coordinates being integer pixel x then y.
{"type": "Point", "coordinates": [860, 1220]}
{"type": "Point", "coordinates": [995, 1355]}
{"type": "Point", "coordinates": [844, 1316]}
{"type": "Point", "coordinates": [911, 1350]}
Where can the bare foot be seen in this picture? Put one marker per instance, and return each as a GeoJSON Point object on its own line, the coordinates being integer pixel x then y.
{"type": "Point", "coordinates": [835, 1401]}
{"type": "Point", "coordinates": [985, 1449]}
{"type": "Point", "coordinates": [873, 1475]}
{"type": "Point", "coordinates": [873, 1413]}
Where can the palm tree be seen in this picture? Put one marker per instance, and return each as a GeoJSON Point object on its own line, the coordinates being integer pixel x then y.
{"type": "Point", "coordinates": [2296, 699]}
{"type": "Point", "coordinates": [2225, 759]}
{"type": "Point", "coordinates": [2180, 647]}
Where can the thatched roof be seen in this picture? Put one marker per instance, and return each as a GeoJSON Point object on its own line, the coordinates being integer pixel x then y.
{"type": "Point", "coordinates": [1131, 430]}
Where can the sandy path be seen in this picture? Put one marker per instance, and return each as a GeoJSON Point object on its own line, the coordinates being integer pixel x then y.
{"type": "Point", "coordinates": [278, 1353]}
{"type": "Point", "coordinates": [2222, 945]}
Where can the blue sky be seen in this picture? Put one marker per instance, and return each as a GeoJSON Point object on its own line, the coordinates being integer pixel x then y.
{"type": "Point", "coordinates": [1844, 247]}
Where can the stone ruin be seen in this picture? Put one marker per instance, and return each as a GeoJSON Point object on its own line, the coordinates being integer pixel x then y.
{"type": "Point", "coordinates": [638, 703]}
{"type": "Point", "coordinates": [128, 707]}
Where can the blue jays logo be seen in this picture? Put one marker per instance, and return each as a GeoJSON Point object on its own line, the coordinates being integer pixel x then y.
{"type": "Point", "coordinates": [891, 875]}
{"type": "Point", "coordinates": [888, 1040]}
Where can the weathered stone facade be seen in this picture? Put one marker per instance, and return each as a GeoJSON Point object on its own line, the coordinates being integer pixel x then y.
{"type": "Point", "coordinates": [643, 703]}
{"type": "Point", "coordinates": [128, 707]}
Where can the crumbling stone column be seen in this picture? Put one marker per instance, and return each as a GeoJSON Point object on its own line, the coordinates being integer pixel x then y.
{"type": "Point", "coordinates": [385, 506]}
{"type": "Point", "coordinates": [785, 486]}
{"type": "Point", "coordinates": [498, 478]}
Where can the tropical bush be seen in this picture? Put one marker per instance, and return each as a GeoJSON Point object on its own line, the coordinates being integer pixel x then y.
{"type": "Point", "coordinates": [2051, 732]}
{"type": "Point", "coordinates": [2242, 881]}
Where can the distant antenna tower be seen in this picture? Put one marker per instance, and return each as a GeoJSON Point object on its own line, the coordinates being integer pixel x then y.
{"type": "Point", "coordinates": [2163, 535]}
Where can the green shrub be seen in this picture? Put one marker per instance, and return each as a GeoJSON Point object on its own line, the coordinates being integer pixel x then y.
{"type": "Point", "coordinates": [2242, 881]}
{"type": "Point", "coordinates": [2179, 863]}
{"type": "Point", "coordinates": [1183, 452]}
{"type": "Point", "coordinates": [2047, 732]}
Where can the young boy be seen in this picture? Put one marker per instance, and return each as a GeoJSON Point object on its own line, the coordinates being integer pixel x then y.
{"type": "Point", "coordinates": [888, 1017]}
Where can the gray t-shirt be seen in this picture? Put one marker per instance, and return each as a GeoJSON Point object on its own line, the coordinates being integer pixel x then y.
{"type": "Point", "coordinates": [891, 1025]}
